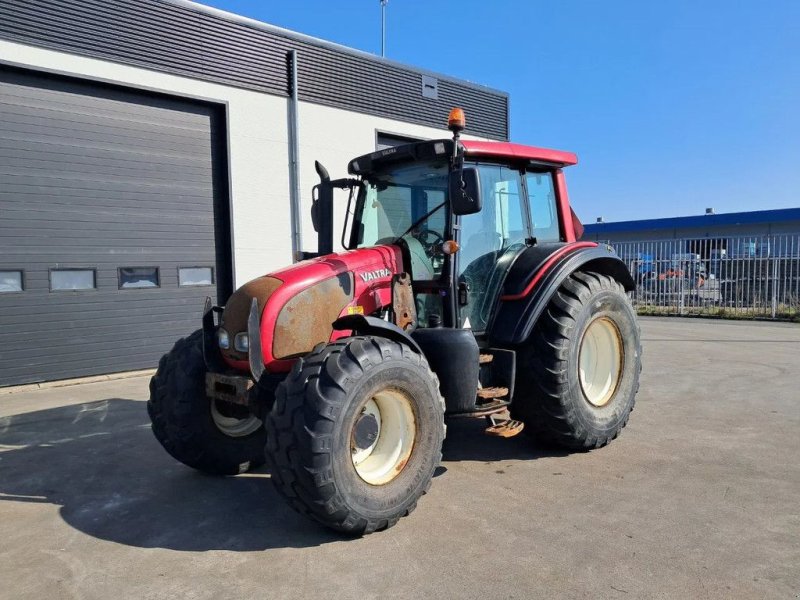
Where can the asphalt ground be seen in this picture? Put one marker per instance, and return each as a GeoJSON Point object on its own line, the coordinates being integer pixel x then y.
{"type": "Point", "coordinates": [698, 498]}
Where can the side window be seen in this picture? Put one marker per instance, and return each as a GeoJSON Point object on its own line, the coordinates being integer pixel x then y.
{"type": "Point", "coordinates": [437, 220]}
{"type": "Point", "coordinates": [394, 203]}
{"type": "Point", "coordinates": [542, 198]}
{"type": "Point", "coordinates": [500, 224]}
{"type": "Point", "coordinates": [388, 215]}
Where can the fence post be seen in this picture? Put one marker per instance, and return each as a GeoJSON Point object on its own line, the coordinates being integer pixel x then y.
{"type": "Point", "coordinates": [774, 281]}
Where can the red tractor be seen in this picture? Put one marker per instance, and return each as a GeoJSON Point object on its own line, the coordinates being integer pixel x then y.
{"type": "Point", "coordinates": [463, 291]}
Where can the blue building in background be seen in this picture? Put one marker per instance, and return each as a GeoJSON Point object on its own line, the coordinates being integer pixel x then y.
{"type": "Point", "coordinates": [745, 263]}
{"type": "Point", "coordinates": [757, 223]}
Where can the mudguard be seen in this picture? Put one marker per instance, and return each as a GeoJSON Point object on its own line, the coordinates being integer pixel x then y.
{"type": "Point", "coordinates": [525, 296]}
{"type": "Point", "coordinates": [362, 325]}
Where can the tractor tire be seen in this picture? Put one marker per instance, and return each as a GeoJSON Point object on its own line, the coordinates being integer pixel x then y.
{"type": "Point", "coordinates": [210, 436]}
{"type": "Point", "coordinates": [319, 457]}
{"type": "Point", "coordinates": [578, 373]}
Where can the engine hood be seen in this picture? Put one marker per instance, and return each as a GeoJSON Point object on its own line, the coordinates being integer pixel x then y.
{"type": "Point", "coordinates": [299, 303]}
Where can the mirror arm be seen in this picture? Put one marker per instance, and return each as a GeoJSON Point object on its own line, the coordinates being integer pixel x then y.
{"type": "Point", "coordinates": [345, 183]}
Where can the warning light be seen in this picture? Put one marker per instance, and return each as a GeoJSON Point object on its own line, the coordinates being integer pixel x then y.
{"type": "Point", "coordinates": [456, 121]}
{"type": "Point", "coordinates": [450, 247]}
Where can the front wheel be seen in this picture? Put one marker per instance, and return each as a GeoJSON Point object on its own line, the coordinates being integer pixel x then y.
{"type": "Point", "coordinates": [208, 435]}
{"type": "Point", "coordinates": [356, 433]}
{"type": "Point", "coordinates": [579, 371]}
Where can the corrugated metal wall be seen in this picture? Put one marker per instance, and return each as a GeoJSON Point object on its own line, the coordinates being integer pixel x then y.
{"type": "Point", "coordinates": [186, 40]}
{"type": "Point", "coordinates": [98, 178]}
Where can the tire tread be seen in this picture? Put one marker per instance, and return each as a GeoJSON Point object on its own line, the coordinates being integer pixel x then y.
{"type": "Point", "coordinates": [299, 458]}
{"type": "Point", "coordinates": [546, 408]}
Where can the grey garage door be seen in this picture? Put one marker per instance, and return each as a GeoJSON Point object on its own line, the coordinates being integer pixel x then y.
{"type": "Point", "coordinates": [113, 225]}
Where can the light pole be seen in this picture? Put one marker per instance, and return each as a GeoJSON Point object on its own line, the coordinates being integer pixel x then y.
{"type": "Point", "coordinates": [383, 26]}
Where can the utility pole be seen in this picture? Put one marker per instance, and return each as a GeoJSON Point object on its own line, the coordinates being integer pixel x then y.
{"type": "Point", "coordinates": [383, 27]}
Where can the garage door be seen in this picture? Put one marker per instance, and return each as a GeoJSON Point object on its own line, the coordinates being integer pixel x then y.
{"type": "Point", "coordinates": [113, 225]}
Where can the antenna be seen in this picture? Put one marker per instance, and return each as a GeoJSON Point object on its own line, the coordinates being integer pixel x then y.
{"type": "Point", "coordinates": [383, 27]}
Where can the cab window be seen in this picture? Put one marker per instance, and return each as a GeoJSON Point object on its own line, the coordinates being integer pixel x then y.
{"type": "Point", "coordinates": [501, 222]}
{"type": "Point", "coordinates": [544, 213]}
{"type": "Point", "coordinates": [486, 236]}
{"type": "Point", "coordinates": [406, 204]}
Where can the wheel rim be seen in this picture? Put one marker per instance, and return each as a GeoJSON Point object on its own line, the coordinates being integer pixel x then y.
{"type": "Point", "coordinates": [600, 361]}
{"type": "Point", "coordinates": [384, 458]}
{"type": "Point", "coordinates": [234, 426]}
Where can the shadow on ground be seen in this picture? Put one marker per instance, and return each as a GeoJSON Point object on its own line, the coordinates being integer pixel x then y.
{"type": "Point", "coordinates": [466, 441]}
{"type": "Point", "coordinates": [100, 463]}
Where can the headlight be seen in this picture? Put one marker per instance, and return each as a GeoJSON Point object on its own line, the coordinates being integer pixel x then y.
{"type": "Point", "coordinates": [223, 339]}
{"type": "Point", "coordinates": [241, 341]}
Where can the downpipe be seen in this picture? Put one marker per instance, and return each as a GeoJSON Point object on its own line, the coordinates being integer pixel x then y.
{"type": "Point", "coordinates": [294, 159]}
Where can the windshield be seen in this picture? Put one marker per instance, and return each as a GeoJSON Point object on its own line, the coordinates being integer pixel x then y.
{"type": "Point", "coordinates": [408, 203]}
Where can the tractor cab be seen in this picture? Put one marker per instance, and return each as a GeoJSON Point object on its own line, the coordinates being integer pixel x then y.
{"type": "Point", "coordinates": [461, 213]}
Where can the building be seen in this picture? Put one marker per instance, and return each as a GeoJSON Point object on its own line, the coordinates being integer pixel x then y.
{"type": "Point", "coordinates": [711, 237]}
{"type": "Point", "coordinates": [155, 152]}
{"type": "Point", "coordinates": [745, 264]}
{"type": "Point", "coordinates": [727, 225]}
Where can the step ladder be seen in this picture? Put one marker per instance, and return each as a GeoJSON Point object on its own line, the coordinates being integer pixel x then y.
{"type": "Point", "coordinates": [492, 403]}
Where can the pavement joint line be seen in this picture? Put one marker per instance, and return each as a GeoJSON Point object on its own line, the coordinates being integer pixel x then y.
{"type": "Point", "coordinates": [46, 385]}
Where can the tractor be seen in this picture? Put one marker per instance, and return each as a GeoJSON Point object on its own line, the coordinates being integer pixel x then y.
{"type": "Point", "coordinates": [462, 291]}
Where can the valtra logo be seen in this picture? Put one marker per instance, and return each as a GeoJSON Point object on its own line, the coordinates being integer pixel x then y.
{"type": "Point", "coordinates": [371, 275]}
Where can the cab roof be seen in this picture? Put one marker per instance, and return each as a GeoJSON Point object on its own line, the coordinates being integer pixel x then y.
{"type": "Point", "coordinates": [518, 151]}
{"type": "Point", "coordinates": [440, 149]}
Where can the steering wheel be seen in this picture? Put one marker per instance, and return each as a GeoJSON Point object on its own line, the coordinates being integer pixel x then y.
{"type": "Point", "coordinates": [424, 236]}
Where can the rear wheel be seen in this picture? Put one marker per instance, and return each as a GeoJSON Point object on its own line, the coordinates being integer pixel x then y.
{"type": "Point", "coordinates": [209, 435]}
{"type": "Point", "coordinates": [356, 433]}
{"type": "Point", "coordinates": [579, 371]}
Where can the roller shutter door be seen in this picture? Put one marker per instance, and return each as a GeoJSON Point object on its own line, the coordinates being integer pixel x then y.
{"type": "Point", "coordinates": [113, 225]}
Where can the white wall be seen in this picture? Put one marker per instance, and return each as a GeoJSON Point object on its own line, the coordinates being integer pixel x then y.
{"type": "Point", "coordinates": [258, 149]}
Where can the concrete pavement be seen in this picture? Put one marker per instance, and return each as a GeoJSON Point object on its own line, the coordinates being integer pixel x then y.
{"type": "Point", "coordinates": [699, 497]}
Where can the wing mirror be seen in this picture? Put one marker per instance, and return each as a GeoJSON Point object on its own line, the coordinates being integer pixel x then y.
{"type": "Point", "coordinates": [465, 191]}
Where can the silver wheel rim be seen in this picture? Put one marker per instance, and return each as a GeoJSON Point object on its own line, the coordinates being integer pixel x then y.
{"type": "Point", "coordinates": [233, 427]}
{"type": "Point", "coordinates": [600, 361]}
{"type": "Point", "coordinates": [385, 459]}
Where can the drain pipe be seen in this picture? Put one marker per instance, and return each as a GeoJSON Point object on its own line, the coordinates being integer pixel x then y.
{"type": "Point", "coordinates": [294, 160]}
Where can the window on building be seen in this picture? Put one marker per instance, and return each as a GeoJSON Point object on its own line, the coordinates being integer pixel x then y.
{"type": "Point", "coordinates": [390, 140]}
{"type": "Point", "coordinates": [189, 276]}
{"type": "Point", "coordinates": [73, 279]}
{"type": "Point", "coordinates": [10, 281]}
{"type": "Point", "coordinates": [138, 277]}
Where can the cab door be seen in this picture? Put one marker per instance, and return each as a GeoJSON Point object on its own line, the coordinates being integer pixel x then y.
{"type": "Point", "coordinates": [489, 240]}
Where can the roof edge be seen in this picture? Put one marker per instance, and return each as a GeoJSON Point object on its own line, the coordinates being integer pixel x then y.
{"type": "Point", "coordinates": [288, 33]}
{"type": "Point", "coordinates": [519, 151]}
{"type": "Point", "coordinates": [692, 221]}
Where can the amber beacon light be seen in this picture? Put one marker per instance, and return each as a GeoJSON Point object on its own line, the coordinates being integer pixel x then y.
{"type": "Point", "coordinates": [450, 247]}
{"type": "Point", "coordinates": [456, 121]}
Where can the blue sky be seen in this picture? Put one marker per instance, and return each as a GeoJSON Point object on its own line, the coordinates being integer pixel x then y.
{"type": "Point", "coordinates": [672, 107]}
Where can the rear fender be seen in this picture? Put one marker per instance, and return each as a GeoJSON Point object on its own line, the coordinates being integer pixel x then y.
{"type": "Point", "coordinates": [517, 313]}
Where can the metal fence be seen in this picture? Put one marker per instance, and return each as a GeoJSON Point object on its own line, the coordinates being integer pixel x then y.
{"type": "Point", "coordinates": [736, 277]}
